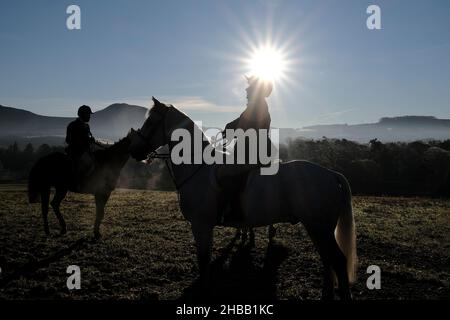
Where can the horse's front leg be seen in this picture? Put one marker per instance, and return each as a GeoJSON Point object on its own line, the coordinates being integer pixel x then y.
{"type": "Point", "coordinates": [239, 233]}
{"type": "Point", "coordinates": [203, 236]}
{"type": "Point", "coordinates": [272, 232]}
{"type": "Point", "coordinates": [60, 194]}
{"type": "Point", "coordinates": [100, 202]}
{"type": "Point", "coordinates": [252, 238]}
{"type": "Point", "coordinates": [45, 198]}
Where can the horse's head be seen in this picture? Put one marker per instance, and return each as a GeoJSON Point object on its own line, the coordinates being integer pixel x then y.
{"type": "Point", "coordinates": [153, 133]}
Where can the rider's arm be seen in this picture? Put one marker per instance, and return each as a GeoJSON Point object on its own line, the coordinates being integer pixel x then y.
{"type": "Point", "coordinates": [88, 135]}
{"type": "Point", "coordinates": [74, 135]}
{"type": "Point", "coordinates": [231, 125]}
{"type": "Point", "coordinates": [69, 134]}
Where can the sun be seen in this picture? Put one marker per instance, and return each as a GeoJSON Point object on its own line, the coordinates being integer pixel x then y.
{"type": "Point", "coordinates": [268, 63]}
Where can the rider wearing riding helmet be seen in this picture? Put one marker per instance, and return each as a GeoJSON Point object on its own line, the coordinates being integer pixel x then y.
{"type": "Point", "coordinates": [256, 116]}
{"type": "Point", "coordinates": [79, 141]}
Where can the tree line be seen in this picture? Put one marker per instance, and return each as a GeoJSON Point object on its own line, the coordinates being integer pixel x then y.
{"type": "Point", "coordinates": [376, 168]}
{"type": "Point", "coordinates": [16, 163]}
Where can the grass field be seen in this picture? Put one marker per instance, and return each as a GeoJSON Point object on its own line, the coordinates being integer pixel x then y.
{"type": "Point", "coordinates": [147, 251]}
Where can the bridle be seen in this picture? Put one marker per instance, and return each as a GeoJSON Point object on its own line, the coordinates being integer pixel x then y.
{"type": "Point", "coordinates": [165, 156]}
{"type": "Point", "coordinates": [154, 129]}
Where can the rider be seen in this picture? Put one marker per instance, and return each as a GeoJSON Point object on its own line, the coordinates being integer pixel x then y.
{"type": "Point", "coordinates": [80, 140]}
{"type": "Point", "coordinates": [256, 116]}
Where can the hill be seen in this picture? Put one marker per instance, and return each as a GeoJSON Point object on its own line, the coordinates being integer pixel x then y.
{"type": "Point", "coordinates": [115, 121]}
{"type": "Point", "coordinates": [405, 128]}
{"type": "Point", "coordinates": [24, 126]}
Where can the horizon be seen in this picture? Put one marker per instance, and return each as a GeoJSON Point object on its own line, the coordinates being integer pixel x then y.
{"type": "Point", "coordinates": [295, 128]}
{"type": "Point", "coordinates": [191, 55]}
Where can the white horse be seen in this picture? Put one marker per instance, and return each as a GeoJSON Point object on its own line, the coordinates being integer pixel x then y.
{"type": "Point", "coordinates": [300, 192]}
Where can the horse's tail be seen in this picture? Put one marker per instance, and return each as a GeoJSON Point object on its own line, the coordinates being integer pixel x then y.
{"type": "Point", "coordinates": [345, 232]}
{"type": "Point", "coordinates": [33, 185]}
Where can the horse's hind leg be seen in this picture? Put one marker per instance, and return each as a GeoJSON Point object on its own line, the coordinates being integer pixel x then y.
{"type": "Point", "coordinates": [238, 234]}
{"type": "Point", "coordinates": [60, 194]}
{"type": "Point", "coordinates": [272, 232]}
{"type": "Point", "coordinates": [322, 242]}
{"type": "Point", "coordinates": [100, 202]}
{"type": "Point", "coordinates": [333, 257]}
{"type": "Point", "coordinates": [45, 198]}
{"type": "Point", "coordinates": [241, 234]}
{"type": "Point", "coordinates": [247, 233]}
{"type": "Point", "coordinates": [339, 263]}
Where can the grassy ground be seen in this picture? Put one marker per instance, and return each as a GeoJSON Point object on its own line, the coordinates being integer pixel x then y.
{"type": "Point", "coordinates": [147, 251]}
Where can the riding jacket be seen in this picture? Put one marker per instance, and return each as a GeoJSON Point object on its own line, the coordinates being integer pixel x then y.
{"type": "Point", "coordinates": [78, 137]}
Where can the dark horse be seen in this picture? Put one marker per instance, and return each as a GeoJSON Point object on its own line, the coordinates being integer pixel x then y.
{"type": "Point", "coordinates": [55, 170]}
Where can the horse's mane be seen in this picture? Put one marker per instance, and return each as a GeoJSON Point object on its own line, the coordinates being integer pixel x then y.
{"type": "Point", "coordinates": [119, 147]}
{"type": "Point", "coordinates": [184, 120]}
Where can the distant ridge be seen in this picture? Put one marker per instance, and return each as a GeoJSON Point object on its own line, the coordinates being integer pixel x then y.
{"type": "Point", "coordinates": [387, 129]}
{"type": "Point", "coordinates": [422, 121]}
{"type": "Point", "coordinates": [111, 123]}
{"type": "Point", "coordinates": [114, 121]}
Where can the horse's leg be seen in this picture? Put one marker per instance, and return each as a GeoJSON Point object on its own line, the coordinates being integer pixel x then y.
{"type": "Point", "coordinates": [332, 256]}
{"type": "Point", "coordinates": [244, 234]}
{"type": "Point", "coordinates": [203, 236]}
{"type": "Point", "coordinates": [252, 237]}
{"type": "Point", "coordinates": [100, 202]}
{"type": "Point", "coordinates": [45, 198]}
{"type": "Point", "coordinates": [60, 194]}
{"type": "Point", "coordinates": [238, 234]}
{"type": "Point", "coordinates": [339, 263]}
{"type": "Point", "coordinates": [272, 232]}
{"type": "Point", "coordinates": [322, 240]}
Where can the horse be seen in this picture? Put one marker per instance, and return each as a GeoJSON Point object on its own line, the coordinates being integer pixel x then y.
{"type": "Point", "coordinates": [55, 170]}
{"type": "Point", "coordinates": [301, 192]}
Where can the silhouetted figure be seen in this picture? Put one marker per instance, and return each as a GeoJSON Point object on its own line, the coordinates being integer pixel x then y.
{"type": "Point", "coordinates": [256, 116]}
{"type": "Point", "coordinates": [80, 140]}
{"type": "Point", "coordinates": [55, 170]}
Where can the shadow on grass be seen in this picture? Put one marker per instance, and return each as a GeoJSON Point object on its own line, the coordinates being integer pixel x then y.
{"type": "Point", "coordinates": [35, 264]}
{"type": "Point", "coordinates": [241, 278]}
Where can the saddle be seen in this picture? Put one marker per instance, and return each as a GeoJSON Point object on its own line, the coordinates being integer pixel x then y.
{"type": "Point", "coordinates": [231, 189]}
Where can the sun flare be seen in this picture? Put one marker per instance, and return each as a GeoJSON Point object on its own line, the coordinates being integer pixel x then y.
{"type": "Point", "coordinates": [268, 63]}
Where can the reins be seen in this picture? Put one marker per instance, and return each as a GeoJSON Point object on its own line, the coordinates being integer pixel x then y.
{"type": "Point", "coordinates": [166, 157]}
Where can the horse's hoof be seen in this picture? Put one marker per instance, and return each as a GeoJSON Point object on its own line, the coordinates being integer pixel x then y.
{"type": "Point", "coordinates": [327, 295]}
{"type": "Point", "coordinates": [345, 296]}
{"type": "Point", "coordinates": [327, 298]}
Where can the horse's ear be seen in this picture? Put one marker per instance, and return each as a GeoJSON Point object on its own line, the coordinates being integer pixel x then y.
{"type": "Point", "coordinates": [155, 101]}
{"type": "Point", "coordinates": [130, 132]}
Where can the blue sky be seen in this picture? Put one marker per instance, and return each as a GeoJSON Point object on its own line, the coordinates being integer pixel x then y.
{"type": "Point", "coordinates": [189, 53]}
